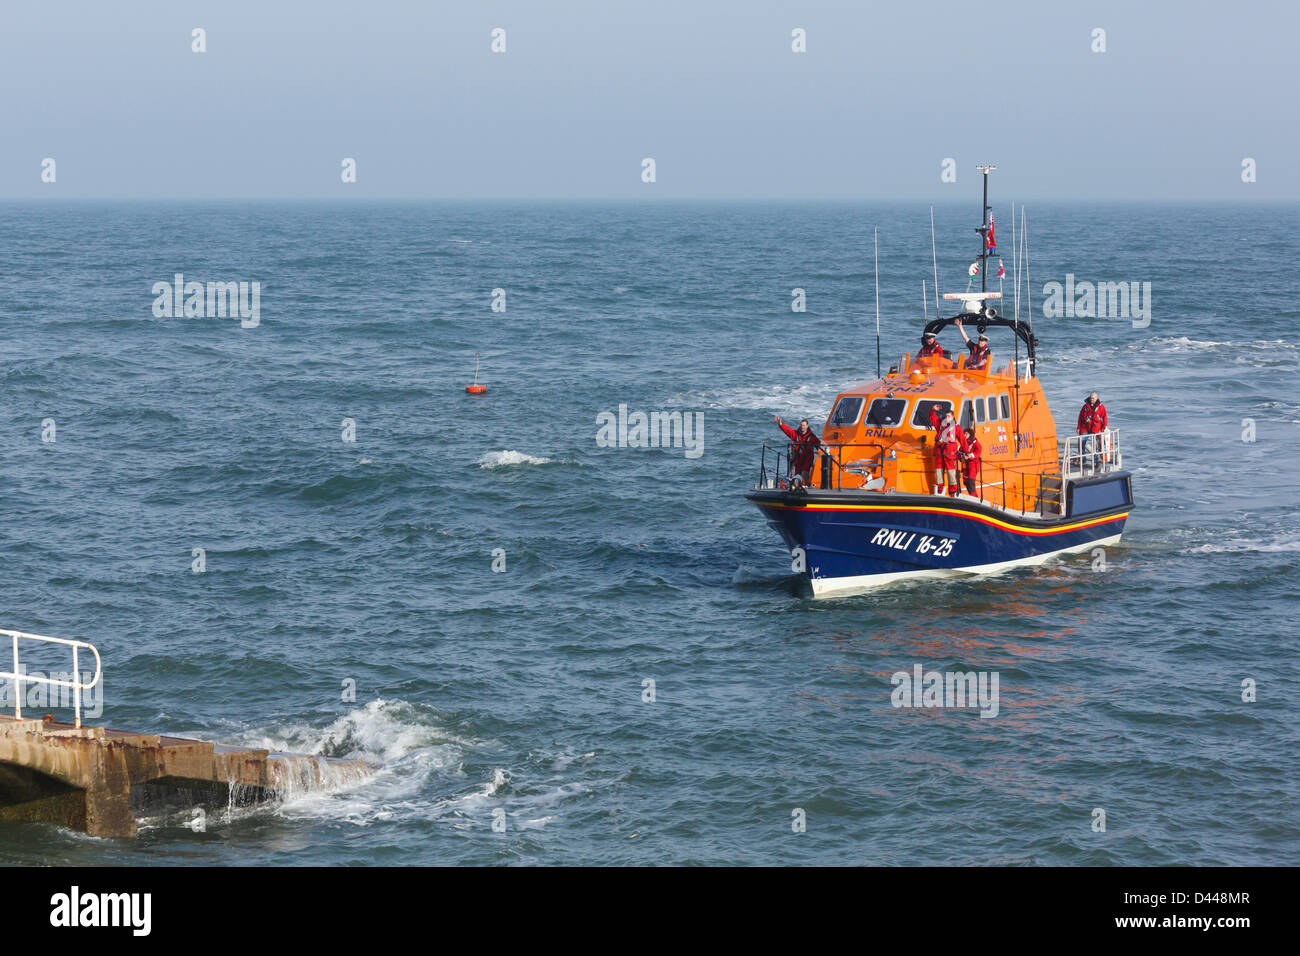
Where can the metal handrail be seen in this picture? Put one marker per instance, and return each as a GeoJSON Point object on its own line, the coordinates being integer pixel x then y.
{"type": "Point", "coordinates": [1099, 450]}
{"type": "Point", "coordinates": [76, 685]}
{"type": "Point", "coordinates": [1032, 486]}
{"type": "Point", "coordinates": [838, 459]}
{"type": "Point", "coordinates": [1039, 485]}
{"type": "Point", "coordinates": [778, 475]}
{"type": "Point", "coordinates": [763, 480]}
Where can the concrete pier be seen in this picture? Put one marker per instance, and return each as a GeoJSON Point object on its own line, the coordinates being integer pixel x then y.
{"type": "Point", "coordinates": [94, 779]}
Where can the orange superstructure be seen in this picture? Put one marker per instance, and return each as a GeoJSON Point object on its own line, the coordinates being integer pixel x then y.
{"type": "Point", "coordinates": [878, 434]}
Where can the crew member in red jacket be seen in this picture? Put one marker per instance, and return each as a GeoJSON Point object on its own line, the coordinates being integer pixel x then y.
{"type": "Point", "coordinates": [1092, 422]}
{"type": "Point", "coordinates": [979, 350]}
{"type": "Point", "coordinates": [929, 346]}
{"type": "Point", "coordinates": [805, 445]}
{"type": "Point", "coordinates": [949, 442]}
{"type": "Point", "coordinates": [973, 452]}
{"type": "Point", "coordinates": [936, 422]}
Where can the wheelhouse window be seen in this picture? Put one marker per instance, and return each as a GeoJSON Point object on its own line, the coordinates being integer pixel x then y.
{"type": "Point", "coordinates": [965, 419]}
{"type": "Point", "coordinates": [886, 412]}
{"type": "Point", "coordinates": [1006, 407]}
{"type": "Point", "coordinates": [921, 417]}
{"type": "Point", "coordinates": [847, 410]}
{"type": "Point", "coordinates": [979, 411]}
{"type": "Point", "coordinates": [993, 408]}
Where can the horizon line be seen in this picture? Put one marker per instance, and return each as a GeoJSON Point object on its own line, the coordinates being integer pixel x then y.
{"type": "Point", "coordinates": [640, 200]}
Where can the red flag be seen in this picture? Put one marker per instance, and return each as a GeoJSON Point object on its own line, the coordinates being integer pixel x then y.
{"type": "Point", "coordinates": [992, 242]}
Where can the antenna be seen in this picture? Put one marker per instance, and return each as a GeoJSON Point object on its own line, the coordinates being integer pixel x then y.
{"type": "Point", "coordinates": [1015, 264]}
{"type": "Point", "coordinates": [1029, 290]}
{"type": "Point", "coordinates": [1028, 361]}
{"type": "Point", "coordinates": [1016, 367]}
{"type": "Point", "coordinates": [935, 259]}
{"type": "Point", "coordinates": [875, 235]}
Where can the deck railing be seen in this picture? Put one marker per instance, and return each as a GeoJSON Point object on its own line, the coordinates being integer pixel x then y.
{"type": "Point", "coordinates": [1092, 454]}
{"type": "Point", "coordinates": [76, 684]}
{"type": "Point", "coordinates": [831, 463]}
{"type": "Point", "coordinates": [1031, 487]}
{"type": "Point", "coordinates": [844, 458]}
{"type": "Point", "coordinates": [1025, 488]}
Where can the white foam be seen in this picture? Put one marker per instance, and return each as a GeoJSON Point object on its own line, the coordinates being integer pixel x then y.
{"type": "Point", "coordinates": [499, 459]}
{"type": "Point", "coordinates": [1182, 343]}
{"type": "Point", "coordinates": [381, 731]}
{"type": "Point", "coordinates": [417, 757]}
{"type": "Point", "coordinates": [805, 401]}
{"type": "Point", "coordinates": [1284, 546]}
{"type": "Point", "coordinates": [406, 743]}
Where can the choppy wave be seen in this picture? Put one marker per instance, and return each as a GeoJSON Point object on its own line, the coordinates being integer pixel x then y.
{"type": "Point", "coordinates": [503, 459]}
{"type": "Point", "coordinates": [1288, 545]}
{"type": "Point", "coordinates": [381, 731]}
{"type": "Point", "coordinates": [794, 398]}
{"type": "Point", "coordinates": [411, 747]}
{"type": "Point", "coordinates": [1182, 343]}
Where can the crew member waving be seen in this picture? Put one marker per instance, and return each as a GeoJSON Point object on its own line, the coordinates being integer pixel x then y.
{"type": "Point", "coordinates": [979, 350]}
{"type": "Point", "coordinates": [804, 445]}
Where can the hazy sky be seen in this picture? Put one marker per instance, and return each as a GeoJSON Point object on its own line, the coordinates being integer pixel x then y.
{"type": "Point", "coordinates": [587, 88]}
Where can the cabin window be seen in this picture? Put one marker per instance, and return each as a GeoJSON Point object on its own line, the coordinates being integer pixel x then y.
{"type": "Point", "coordinates": [847, 410]}
{"type": "Point", "coordinates": [1006, 408]}
{"type": "Point", "coordinates": [886, 412]}
{"type": "Point", "coordinates": [979, 411]}
{"type": "Point", "coordinates": [993, 408]}
{"type": "Point", "coordinates": [921, 417]}
{"type": "Point", "coordinates": [965, 420]}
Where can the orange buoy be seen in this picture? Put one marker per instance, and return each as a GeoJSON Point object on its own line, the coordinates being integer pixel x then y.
{"type": "Point", "coordinates": [476, 388]}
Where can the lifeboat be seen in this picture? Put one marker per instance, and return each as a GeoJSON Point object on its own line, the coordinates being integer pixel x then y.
{"type": "Point", "coordinates": [871, 511]}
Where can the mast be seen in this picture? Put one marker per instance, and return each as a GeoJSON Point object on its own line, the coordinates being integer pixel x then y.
{"type": "Point", "coordinates": [984, 230]}
{"type": "Point", "coordinates": [975, 303]}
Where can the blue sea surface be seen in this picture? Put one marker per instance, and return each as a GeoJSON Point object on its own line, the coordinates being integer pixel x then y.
{"type": "Point", "coordinates": [522, 694]}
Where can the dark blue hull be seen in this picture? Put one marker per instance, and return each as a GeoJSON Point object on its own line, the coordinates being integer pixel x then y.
{"type": "Point", "coordinates": [854, 540]}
